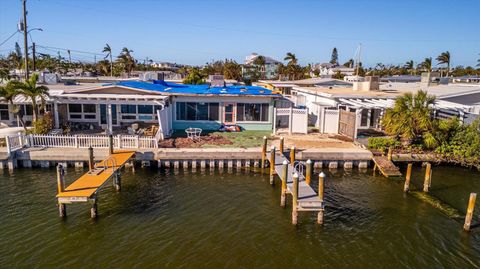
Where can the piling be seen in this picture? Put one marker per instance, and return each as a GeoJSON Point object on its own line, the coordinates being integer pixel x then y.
{"type": "Point", "coordinates": [194, 165]}
{"type": "Point", "coordinates": [308, 173]}
{"type": "Point", "coordinates": [94, 208]}
{"type": "Point", "coordinates": [282, 143]}
{"type": "Point", "coordinates": [321, 186]}
{"type": "Point", "coordinates": [390, 153]}
{"type": "Point", "coordinates": [91, 161]}
{"type": "Point", "coordinates": [117, 181]}
{"type": "Point", "coordinates": [292, 155]}
{"type": "Point", "coordinates": [428, 177]}
{"type": "Point", "coordinates": [239, 164]}
{"type": "Point", "coordinates": [176, 165]}
{"type": "Point", "coordinates": [295, 199]}
{"type": "Point", "coordinates": [264, 151]}
{"type": "Point", "coordinates": [110, 144]}
{"type": "Point", "coordinates": [272, 165]}
{"type": "Point", "coordinates": [470, 210]}
{"type": "Point", "coordinates": [283, 195]}
{"type": "Point", "coordinates": [62, 208]}
{"type": "Point", "coordinates": [406, 188]}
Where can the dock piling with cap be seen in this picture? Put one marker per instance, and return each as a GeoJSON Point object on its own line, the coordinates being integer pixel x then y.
{"type": "Point", "coordinates": [295, 199]}
{"type": "Point", "coordinates": [264, 151]}
{"type": "Point", "coordinates": [470, 210]}
{"type": "Point", "coordinates": [308, 173]}
{"type": "Point", "coordinates": [321, 186]}
{"type": "Point", "coordinates": [284, 178]}
{"type": "Point", "coordinates": [272, 165]}
{"type": "Point", "coordinates": [428, 178]}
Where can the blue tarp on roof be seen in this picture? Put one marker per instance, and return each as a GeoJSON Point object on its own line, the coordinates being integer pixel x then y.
{"type": "Point", "coordinates": [173, 88]}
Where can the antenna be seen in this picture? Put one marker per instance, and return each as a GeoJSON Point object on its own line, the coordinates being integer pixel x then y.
{"type": "Point", "coordinates": [358, 54]}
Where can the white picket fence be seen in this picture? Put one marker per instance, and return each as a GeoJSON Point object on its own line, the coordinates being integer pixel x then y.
{"type": "Point", "coordinates": [80, 141]}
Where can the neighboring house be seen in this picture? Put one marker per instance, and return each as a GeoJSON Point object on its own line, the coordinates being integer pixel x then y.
{"type": "Point", "coordinates": [328, 69]}
{"type": "Point", "coordinates": [268, 71]}
{"type": "Point", "coordinates": [119, 104]}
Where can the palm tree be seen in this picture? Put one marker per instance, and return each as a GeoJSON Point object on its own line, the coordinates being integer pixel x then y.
{"type": "Point", "coordinates": [444, 58]}
{"type": "Point", "coordinates": [291, 58]}
{"type": "Point", "coordinates": [108, 50]}
{"type": "Point", "coordinates": [410, 65]}
{"type": "Point", "coordinates": [260, 62]}
{"type": "Point", "coordinates": [127, 60]}
{"type": "Point", "coordinates": [8, 93]}
{"type": "Point", "coordinates": [29, 89]}
{"type": "Point", "coordinates": [410, 118]}
{"type": "Point", "coordinates": [427, 64]}
{"type": "Point", "coordinates": [478, 62]}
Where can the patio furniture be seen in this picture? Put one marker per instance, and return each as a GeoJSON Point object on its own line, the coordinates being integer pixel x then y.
{"type": "Point", "coordinates": [193, 133]}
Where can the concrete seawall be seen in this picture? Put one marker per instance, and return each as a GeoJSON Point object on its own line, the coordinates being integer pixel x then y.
{"type": "Point", "coordinates": [191, 157]}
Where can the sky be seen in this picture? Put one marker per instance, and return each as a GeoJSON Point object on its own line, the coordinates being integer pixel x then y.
{"type": "Point", "coordinates": [196, 32]}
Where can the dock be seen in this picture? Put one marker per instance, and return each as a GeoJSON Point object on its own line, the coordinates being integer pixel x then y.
{"type": "Point", "coordinates": [85, 188]}
{"type": "Point", "coordinates": [386, 166]}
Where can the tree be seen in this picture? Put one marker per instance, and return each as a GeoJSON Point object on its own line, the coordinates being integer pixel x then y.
{"type": "Point", "coordinates": [108, 50]}
{"type": "Point", "coordinates": [410, 66]}
{"type": "Point", "coordinates": [478, 62]}
{"type": "Point", "coordinates": [334, 59]}
{"type": "Point", "coordinates": [260, 63]}
{"type": "Point", "coordinates": [444, 58]}
{"type": "Point", "coordinates": [29, 89]}
{"type": "Point", "coordinates": [127, 61]}
{"type": "Point", "coordinates": [427, 64]}
{"type": "Point", "coordinates": [349, 63]}
{"type": "Point", "coordinates": [195, 77]}
{"type": "Point", "coordinates": [8, 93]}
{"type": "Point", "coordinates": [232, 70]}
{"type": "Point", "coordinates": [410, 118]}
{"type": "Point", "coordinates": [291, 58]}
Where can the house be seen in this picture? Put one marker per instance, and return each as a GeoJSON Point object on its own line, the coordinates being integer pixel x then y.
{"type": "Point", "coordinates": [328, 70]}
{"type": "Point", "coordinates": [173, 106]}
{"type": "Point", "coordinates": [268, 71]}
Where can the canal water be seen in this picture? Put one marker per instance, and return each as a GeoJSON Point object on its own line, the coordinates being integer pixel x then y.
{"type": "Point", "coordinates": [167, 219]}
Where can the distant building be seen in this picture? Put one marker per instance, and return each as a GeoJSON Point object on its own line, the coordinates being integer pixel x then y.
{"type": "Point", "coordinates": [268, 71]}
{"type": "Point", "coordinates": [328, 70]}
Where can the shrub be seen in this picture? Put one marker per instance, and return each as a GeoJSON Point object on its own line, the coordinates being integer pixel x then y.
{"type": "Point", "coordinates": [43, 125]}
{"type": "Point", "coordinates": [383, 143]}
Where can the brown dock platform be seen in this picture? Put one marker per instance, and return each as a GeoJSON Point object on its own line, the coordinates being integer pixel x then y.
{"type": "Point", "coordinates": [85, 188]}
{"type": "Point", "coordinates": [386, 167]}
{"type": "Point", "coordinates": [307, 198]}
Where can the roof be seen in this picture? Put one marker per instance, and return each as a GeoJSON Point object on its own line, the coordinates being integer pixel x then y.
{"type": "Point", "coordinates": [186, 89]}
{"type": "Point", "coordinates": [309, 81]}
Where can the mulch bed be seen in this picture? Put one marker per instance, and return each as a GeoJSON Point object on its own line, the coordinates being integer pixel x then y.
{"type": "Point", "coordinates": [183, 142]}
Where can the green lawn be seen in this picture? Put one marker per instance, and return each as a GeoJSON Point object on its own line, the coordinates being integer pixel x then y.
{"type": "Point", "coordinates": [245, 139]}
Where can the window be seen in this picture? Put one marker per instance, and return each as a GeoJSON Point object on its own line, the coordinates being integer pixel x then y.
{"type": "Point", "coordinates": [145, 109]}
{"type": "Point", "coordinates": [364, 118]}
{"type": "Point", "coordinates": [26, 110]}
{"type": "Point", "coordinates": [197, 111]}
{"type": "Point", "coordinates": [82, 111]}
{"type": "Point", "coordinates": [4, 115]}
{"type": "Point", "coordinates": [129, 109]}
{"type": "Point", "coordinates": [252, 112]}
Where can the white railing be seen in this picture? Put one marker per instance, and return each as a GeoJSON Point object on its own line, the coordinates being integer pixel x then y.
{"type": "Point", "coordinates": [95, 141]}
{"type": "Point", "coordinates": [14, 142]}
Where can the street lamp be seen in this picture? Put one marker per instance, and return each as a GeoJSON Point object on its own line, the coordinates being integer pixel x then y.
{"type": "Point", "coordinates": [33, 47]}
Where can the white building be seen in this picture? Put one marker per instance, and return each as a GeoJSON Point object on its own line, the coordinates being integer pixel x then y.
{"type": "Point", "coordinates": [269, 70]}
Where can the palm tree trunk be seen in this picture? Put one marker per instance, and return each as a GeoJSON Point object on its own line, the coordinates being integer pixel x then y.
{"type": "Point", "coordinates": [19, 117]}
{"type": "Point", "coordinates": [111, 65]}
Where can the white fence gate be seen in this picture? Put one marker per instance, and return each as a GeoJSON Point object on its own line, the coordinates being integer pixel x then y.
{"type": "Point", "coordinates": [329, 124]}
{"type": "Point", "coordinates": [297, 119]}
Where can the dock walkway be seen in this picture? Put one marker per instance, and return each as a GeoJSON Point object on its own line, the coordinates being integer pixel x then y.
{"type": "Point", "coordinates": [85, 188]}
{"type": "Point", "coordinates": [386, 167]}
{"type": "Point", "coordinates": [308, 199]}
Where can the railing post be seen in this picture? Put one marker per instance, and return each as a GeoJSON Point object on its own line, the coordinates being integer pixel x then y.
{"type": "Point", "coordinates": [20, 139]}
{"type": "Point", "coordinates": [30, 136]}
{"type": "Point", "coordinates": [272, 165]}
{"type": "Point", "coordinates": [76, 141]}
{"type": "Point", "coordinates": [7, 142]}
{"type": "Point", "coordinates": [308, 173]}
{"type": "Point", "coordinates": [295, 199]}
{"type": "Point", "coordinates": [284, 183]}
{"type": "Point", "coordinates": [119, 140]}
{"type": "Point", "coordinates": [321, 186]}
{"type": "Point", "coordinates": [137, 142]}
{"type": "Point", "coordinates": [282, 140]}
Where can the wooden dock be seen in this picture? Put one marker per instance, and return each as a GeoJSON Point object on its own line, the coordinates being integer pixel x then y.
{"type": "Point", "coordinates": [386, 166]}
{"type": "Point", "coordinates": [85, 188]}
{"type": "Point", "coordinates": [307, 198]}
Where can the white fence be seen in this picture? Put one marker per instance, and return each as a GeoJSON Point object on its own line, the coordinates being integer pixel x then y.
{"type": "Point", "coordinates": [80, 141]}
{"type": "Point", "coordinates": [297, 119]}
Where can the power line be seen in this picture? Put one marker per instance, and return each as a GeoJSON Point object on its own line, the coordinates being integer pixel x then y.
{"type": "Point", "coordinates": [9, 37]}
{"type": "Point", "coordinates": [71, 50]}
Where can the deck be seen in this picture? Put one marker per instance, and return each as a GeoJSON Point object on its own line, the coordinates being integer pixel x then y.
{"type": "Point", "coordinates": [386, 167]}
{"type": "Point", "coordinates": [308, 199]}
{"type": "Point", "coordinates": [85, 187]}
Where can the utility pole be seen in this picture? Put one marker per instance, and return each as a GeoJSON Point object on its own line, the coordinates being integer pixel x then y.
{"type": "Point", "coordinates": [34, 58]}
{"type": "Point", "coordinates": [25, 37]}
